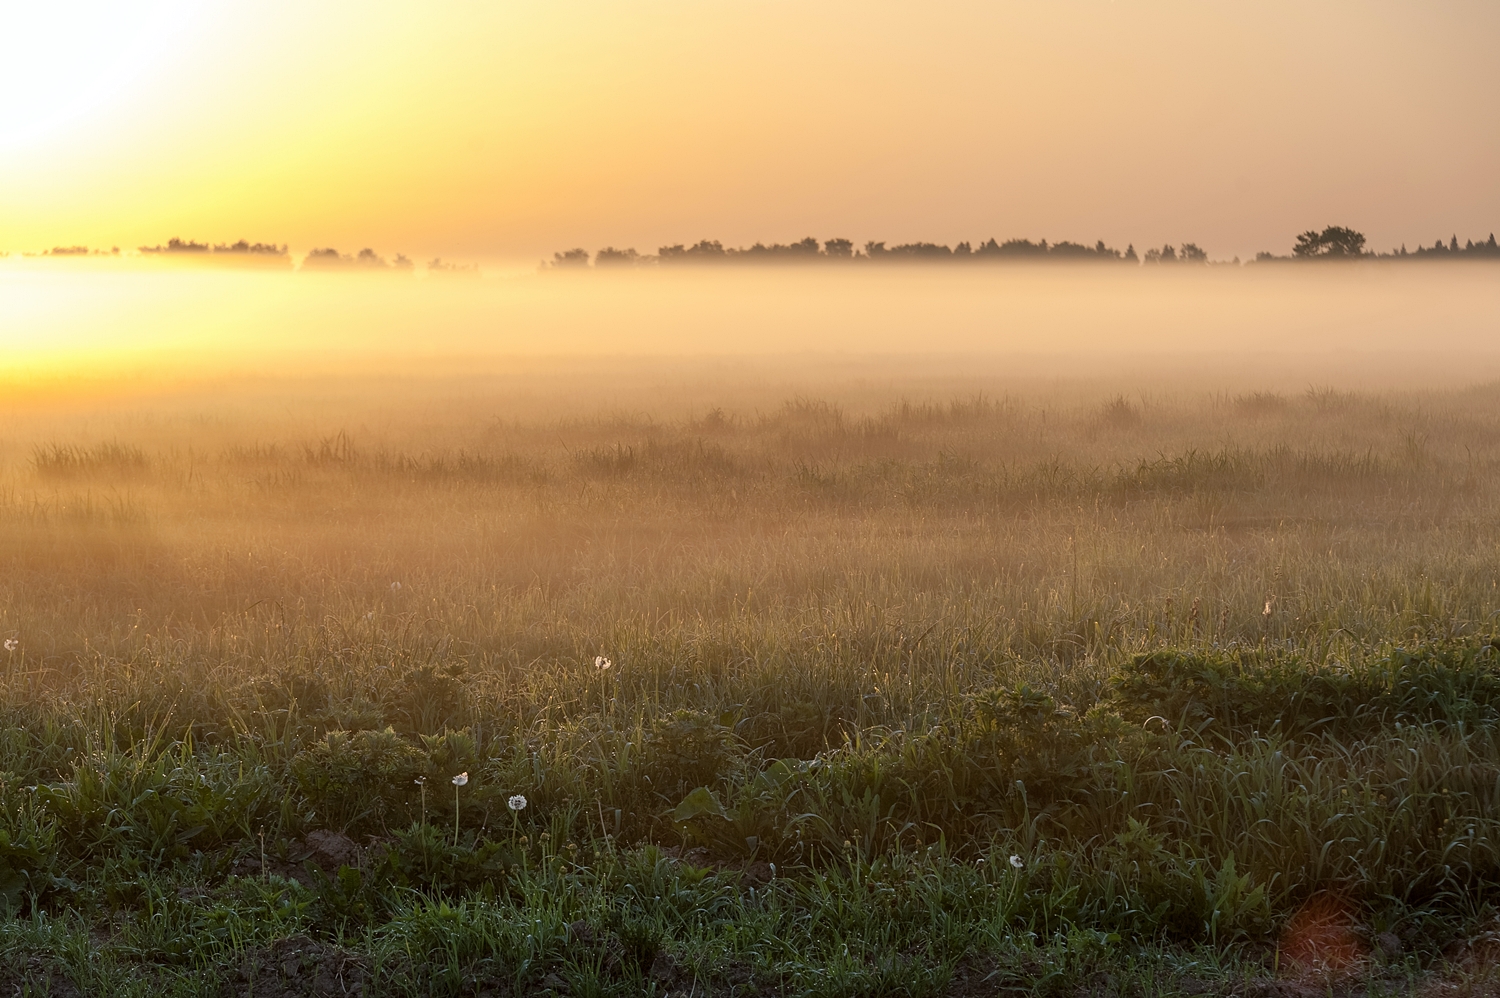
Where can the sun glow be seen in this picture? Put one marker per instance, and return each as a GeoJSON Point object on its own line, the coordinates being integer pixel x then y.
{"type": "Point", "coordinates": [64, 63]}
{"type": "Point", "coordinates": [509, 131]}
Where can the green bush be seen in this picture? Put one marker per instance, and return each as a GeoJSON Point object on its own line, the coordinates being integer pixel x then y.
{"type": "Point", "coordinates": [1234, 694]}
{"type": "Point", "coordinates": [686, 749]}
{"type": "Point", "coordinates": [363, 781]}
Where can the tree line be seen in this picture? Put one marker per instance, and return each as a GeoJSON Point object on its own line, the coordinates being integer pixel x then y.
{"type": "Point", "coordinates": [366, 259]}
{"type": "Point", "coordinates": [176, 246]}
{"type": "Point", "coordinates": [324, 258]}
{"type": "Point", "coordinates": [809, 250]}
{"type": "Point", "coordinates": [1337, 242]}
{"type": "Point", "coordinates": [1334, 242]}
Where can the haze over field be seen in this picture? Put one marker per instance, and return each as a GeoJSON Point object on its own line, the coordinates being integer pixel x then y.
{"type": "Point", "coordinates": [501, 134]}
{"type": "Point", "coordinates": [749, 499]}
{"type": "Point", "coordinates": [81, 318]}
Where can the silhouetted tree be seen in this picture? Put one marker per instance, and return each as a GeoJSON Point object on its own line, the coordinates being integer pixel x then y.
{"type": "Point", "coordinates": [611, 257]}
{"type": "Point", "coordinates": [799, 251]}
{"type": "Point", "coordinates": [325, 258]}
{"type": "Point", "coordinates": [704, 251]}
{"type": "Point", "coordinates": [244, 247]}
{"type": "Point", "coordinates": [1167, 254]}
{"type": "Point", "coordinates": [1192, 254]}
{"type": "Point", "coordinates": [1334, 241]}
{"type": "Point", "coordinates": [570, 259]}
{"type": "Point", "coordinates": [838, 249]}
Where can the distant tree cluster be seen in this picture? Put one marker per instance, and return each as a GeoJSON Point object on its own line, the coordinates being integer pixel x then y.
{"type": "Point", "coordinates": [1334, 242]}
{"type": "Point", "coordinates": [241, 248]}
{"type": "Point", "coordinates": [1189, 253]}
{"type": "Point", "coordinates": [1016, 249]}
{"type": "Point", "coordinates": [711, 251]}
{"type": "Point", "coordinates": [365, 260]}
{"type": "Point", "coordinates": [1470, 248]}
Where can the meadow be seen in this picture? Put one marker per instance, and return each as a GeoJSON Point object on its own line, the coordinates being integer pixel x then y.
{"type": "Point", "coordinates": [1055, 689]}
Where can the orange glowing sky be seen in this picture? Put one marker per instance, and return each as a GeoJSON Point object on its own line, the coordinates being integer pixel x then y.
{"type": "Point", "coordinates": [510, 128]}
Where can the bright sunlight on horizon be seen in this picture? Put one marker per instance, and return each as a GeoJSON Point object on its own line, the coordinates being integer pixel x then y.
{"type": "Point", "coordinates": [508, 131]}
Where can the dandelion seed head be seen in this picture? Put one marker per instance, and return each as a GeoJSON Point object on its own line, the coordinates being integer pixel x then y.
{"type": "Point", "coordinates": [419, 781]}
{"type": "Point", "coordinates": [601, 663]}
{"type": "Point", "coordinates": [1017, 862]}
{"type": "Point", "coordinates": [517, 803]}
{"type": "Point", "coordinates": [11, 644]}
{"type": "Point", "coordinates": [461, 779]}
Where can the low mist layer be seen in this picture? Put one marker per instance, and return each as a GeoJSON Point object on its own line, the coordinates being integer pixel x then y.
{"type": "Point", "coordinates": [106, 318]}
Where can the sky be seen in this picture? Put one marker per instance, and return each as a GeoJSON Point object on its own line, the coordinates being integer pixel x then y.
{"type": "Point", "coordinates": [506, 129]}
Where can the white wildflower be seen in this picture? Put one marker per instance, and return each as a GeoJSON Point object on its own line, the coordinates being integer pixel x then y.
{"type": "Point", "coordinates": [517, 803]}
{"type": "Point", "coordinates": [601, 663]}
{"type": "Point", "coordinates": [461, 779]}
{"type": "Point", "coordinates": [1017, 862]}
{"type": "Point", "coordinates": [11, 644]}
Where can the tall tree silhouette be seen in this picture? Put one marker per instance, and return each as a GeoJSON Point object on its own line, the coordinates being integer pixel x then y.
{"type": "Point", "coordinates": [1333, 241]}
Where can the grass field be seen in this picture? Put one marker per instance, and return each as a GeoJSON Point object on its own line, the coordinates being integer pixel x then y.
{"type": "Point", "coordinates": [1057, 691]}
